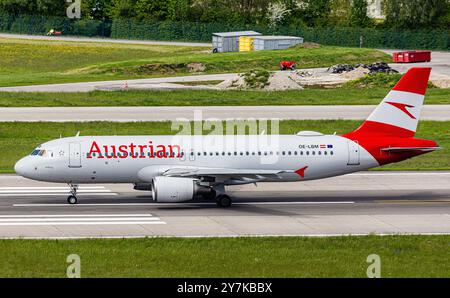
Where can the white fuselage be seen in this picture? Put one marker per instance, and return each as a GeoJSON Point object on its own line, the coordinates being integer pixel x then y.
{"type": "Point", "coordinates": [135, 159]}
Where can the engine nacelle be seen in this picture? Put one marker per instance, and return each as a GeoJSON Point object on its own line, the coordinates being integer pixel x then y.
{"type": "Point", "coordinates": [173, 189]}
{"type": "Point", "coordinates": [176, 189]}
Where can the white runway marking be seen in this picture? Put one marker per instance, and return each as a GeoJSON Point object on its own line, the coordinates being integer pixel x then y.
{"type": "Point", "coordinates": [178, 204]}
{"type": "Point", "coordinates": [54, 191]}
{"type": "Point", "coordinates": [55, 194]}
{"type": "Point", "coordinates": [79, 219]}
{"type": "Point", "coordinates": [74, 215]}
{"type": "Point", "coordinates": [424, 173]}
{"type": "Point", "coordinates": [49, 187]}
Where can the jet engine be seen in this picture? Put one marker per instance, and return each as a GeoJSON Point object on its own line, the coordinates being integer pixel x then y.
{"type": "Point", "coordinates": [175, 189]}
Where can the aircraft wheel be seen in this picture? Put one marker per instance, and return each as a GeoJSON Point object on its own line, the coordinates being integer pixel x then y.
{"type": "Point", "coordinates": [72, 200]}
{"type": "Point", "coordinates": [223, 201]}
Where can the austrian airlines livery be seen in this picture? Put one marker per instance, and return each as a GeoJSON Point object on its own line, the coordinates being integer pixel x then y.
{"type": "Point", "coordinates": [181, 169]}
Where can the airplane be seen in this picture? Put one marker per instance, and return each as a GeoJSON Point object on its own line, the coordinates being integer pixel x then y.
{"type": "Point", "coordinates": [182, 170]}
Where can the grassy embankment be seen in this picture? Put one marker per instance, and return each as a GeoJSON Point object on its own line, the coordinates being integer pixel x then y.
{"type": "Point", "coordinates": [401, 256]}
{"type": "Point", "coordinates": [341, 96]}
{"type": "Point", "coordinates": [27, 62]}
{"type": "Point", "coordinates": [18, 139]}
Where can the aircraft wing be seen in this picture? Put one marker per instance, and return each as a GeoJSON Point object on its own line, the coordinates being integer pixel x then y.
{"type": "Point", "coordinates": [235, 176]}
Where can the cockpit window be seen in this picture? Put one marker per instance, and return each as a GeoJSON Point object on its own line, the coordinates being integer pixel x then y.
{"type": "Point", "coordinates": [38, 152]}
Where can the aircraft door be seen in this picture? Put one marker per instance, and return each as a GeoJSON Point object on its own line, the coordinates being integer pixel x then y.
{"type": "Point", "coordinates": [353, 153]}
{"type": "Point", "coordinates": [74, 155]}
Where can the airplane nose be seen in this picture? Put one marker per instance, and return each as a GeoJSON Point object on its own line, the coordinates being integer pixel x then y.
{"type": "Point", "coordinates": [21, 167]}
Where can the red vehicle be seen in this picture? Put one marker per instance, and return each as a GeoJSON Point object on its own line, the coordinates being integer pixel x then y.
{"type": "Point", "coordinates": [284, 65]}
{"type": "Point", "coordinates": [412, 56]}
{"type": "Point", "coordinates": [54, 33]}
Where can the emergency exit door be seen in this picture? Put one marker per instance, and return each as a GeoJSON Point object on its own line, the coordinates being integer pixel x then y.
{"type": "Point", "coordinates": [75, 155]}
{"type": "Point", "coordinates": [353, 153]}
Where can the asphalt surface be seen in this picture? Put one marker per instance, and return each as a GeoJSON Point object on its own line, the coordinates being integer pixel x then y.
{"type": "Point", "coordinates": [357, 204]}
{"type": "Point", "coordinates": [130, 114]}
{"type": "Point", "coordinates": [105, 40]}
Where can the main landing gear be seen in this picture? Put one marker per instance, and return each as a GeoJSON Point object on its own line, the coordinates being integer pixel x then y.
{"type": "Point", "coordinates": [223, 201]}
{"type": "Point", "coordinates": [72, 199]}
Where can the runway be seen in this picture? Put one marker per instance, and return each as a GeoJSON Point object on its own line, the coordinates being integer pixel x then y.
{"type": "Point", "coordinates": [355, 204]}
{"type": "Point", "coordinates": [135, 114]}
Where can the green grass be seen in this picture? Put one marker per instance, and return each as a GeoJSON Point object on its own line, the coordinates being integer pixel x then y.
{"type": "Point", "coordinates": [27, 62]}
{"type": "Point", "coordinates": [401, 256]}
{"type": "Point", "coordinates": [17, 139]}
{"type": "Point", "coordinates": [341, 96]}
{"type": "Point", "coordinates": [382, 80]}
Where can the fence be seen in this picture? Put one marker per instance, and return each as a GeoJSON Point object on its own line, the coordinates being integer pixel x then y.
{"type": "Point", "coordinates": [193, 31]}
{"type": "Point", "coordinates": [39, 25]}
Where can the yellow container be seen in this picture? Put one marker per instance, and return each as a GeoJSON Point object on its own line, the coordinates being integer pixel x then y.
{"type": "Point", "coordinates": [245, 44]}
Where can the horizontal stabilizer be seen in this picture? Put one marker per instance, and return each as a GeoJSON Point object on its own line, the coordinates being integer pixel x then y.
{"type": "Point", "coordinates": [407, 149]}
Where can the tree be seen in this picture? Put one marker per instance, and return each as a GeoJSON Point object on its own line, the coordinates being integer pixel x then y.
{"type": "Point", "coordinates": [96, 9]}
{"type": "Point", "coordinates": [312, 13]}
{"type": "Point", "coordinates": [358, 14]}
{"type": "Point", "coordinates": [414, 14]}
{"type": "Point", "coordinates": [123, 9]}
{"type": "Point", "coordinates": [17, 7]}
{"type": "Point", "coordinates": [151, 9]}
{"type": "Point", "coordinates": [178, 10]}
{"type": "Point", "coordinates": [276, 12]}
{"type": "Point", "coordinates": [51, 7]}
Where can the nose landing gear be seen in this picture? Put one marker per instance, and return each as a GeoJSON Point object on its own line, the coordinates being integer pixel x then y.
{"type": "Point", "coordinates": [72, 199]}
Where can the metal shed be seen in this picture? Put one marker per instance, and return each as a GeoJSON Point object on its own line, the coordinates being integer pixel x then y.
{"type": "Point", "coordinates": [275, 42]}
{"type": "Point", "coordinates": [229, 41]}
